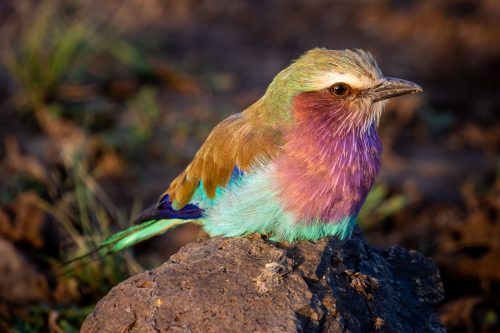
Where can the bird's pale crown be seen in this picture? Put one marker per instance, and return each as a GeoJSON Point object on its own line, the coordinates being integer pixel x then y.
{"type": "Point", "coordinates": [319, 69]}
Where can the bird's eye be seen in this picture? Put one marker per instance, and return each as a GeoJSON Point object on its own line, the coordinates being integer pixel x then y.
{"type": "Point", "coordinates": [340, 89]}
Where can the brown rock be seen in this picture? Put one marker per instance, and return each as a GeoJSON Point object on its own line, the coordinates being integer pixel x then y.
{"type": "Point", "coordinates": [250, 285]}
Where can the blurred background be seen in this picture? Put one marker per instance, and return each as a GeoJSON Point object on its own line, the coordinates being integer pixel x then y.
{"type": "Point", "coordinates": [103, 102]}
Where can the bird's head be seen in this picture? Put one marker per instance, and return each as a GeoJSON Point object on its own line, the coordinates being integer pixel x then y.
{"type": "Point", "coordinates": [345, 87]}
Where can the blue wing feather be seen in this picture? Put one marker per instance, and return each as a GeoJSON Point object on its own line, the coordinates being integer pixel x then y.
{"type": "Point", "coordinates": [193, 210]}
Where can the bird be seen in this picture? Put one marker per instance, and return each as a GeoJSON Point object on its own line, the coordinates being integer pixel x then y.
{"type": "Point", "coordinates": [295, 165]}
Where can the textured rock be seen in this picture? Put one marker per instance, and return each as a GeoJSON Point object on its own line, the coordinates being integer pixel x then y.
{"type": "Point", "coordinates": [250, 285]}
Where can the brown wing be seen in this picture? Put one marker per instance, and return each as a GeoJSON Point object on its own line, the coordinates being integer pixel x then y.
{"type": "Point", "coordinates": [236, 141]}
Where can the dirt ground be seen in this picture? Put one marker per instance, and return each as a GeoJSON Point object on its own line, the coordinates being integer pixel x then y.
{"type": "Point", "coordinates": [102, 103]}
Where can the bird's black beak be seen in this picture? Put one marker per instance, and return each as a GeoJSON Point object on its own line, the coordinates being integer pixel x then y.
{"type": "Point", "coordinates": [391, 87]}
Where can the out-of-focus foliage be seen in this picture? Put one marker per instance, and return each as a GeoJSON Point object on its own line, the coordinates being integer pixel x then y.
{"type": "Point", "coordinates": [48, 51]}
{"type": "Point", "coordinates": [379, 205]}
{"type": "Point", "coordinates": [43, 52]}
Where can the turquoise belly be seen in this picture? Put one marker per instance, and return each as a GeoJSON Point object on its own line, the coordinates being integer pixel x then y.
{"type": "Point", "coordinates": [250, 205]}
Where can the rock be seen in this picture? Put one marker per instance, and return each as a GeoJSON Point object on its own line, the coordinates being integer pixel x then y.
{"type": "Point", "coordinates": [251, 285]}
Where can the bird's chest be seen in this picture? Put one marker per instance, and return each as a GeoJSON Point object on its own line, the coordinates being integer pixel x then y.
{"type": "Point", "coordinates": [327, 178]}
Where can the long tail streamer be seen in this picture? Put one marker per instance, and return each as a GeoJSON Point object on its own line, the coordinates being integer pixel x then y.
{"type": "Point", "coordinates": [129, 237]}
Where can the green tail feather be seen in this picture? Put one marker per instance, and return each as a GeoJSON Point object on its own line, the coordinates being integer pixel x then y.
{"type": "Point", "coordinates": [124, 233]}
{"type": "Point", "coordinates": [131, 236]}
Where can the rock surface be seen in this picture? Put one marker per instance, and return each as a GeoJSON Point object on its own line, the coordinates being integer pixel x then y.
{"type": "Point", "coordinates": [251, 285]}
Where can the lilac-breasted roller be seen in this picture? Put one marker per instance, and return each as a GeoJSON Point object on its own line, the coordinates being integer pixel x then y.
{"type": "Point", "coordinates": [295, 165]}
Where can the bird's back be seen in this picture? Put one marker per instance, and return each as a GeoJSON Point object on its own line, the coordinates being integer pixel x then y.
{"type": "Point", "coordinates": [235, 147]}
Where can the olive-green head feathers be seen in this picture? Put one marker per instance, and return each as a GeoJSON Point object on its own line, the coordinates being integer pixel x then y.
{"type": "Point", "coordinates": [349, 77]}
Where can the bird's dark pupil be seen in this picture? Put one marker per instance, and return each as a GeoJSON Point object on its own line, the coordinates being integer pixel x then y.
{"type": "Point", "coordinates": [340, 89]}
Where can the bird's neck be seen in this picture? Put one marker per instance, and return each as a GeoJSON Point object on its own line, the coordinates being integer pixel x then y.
{"type": "Point", "coordinates": [326, 170]}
